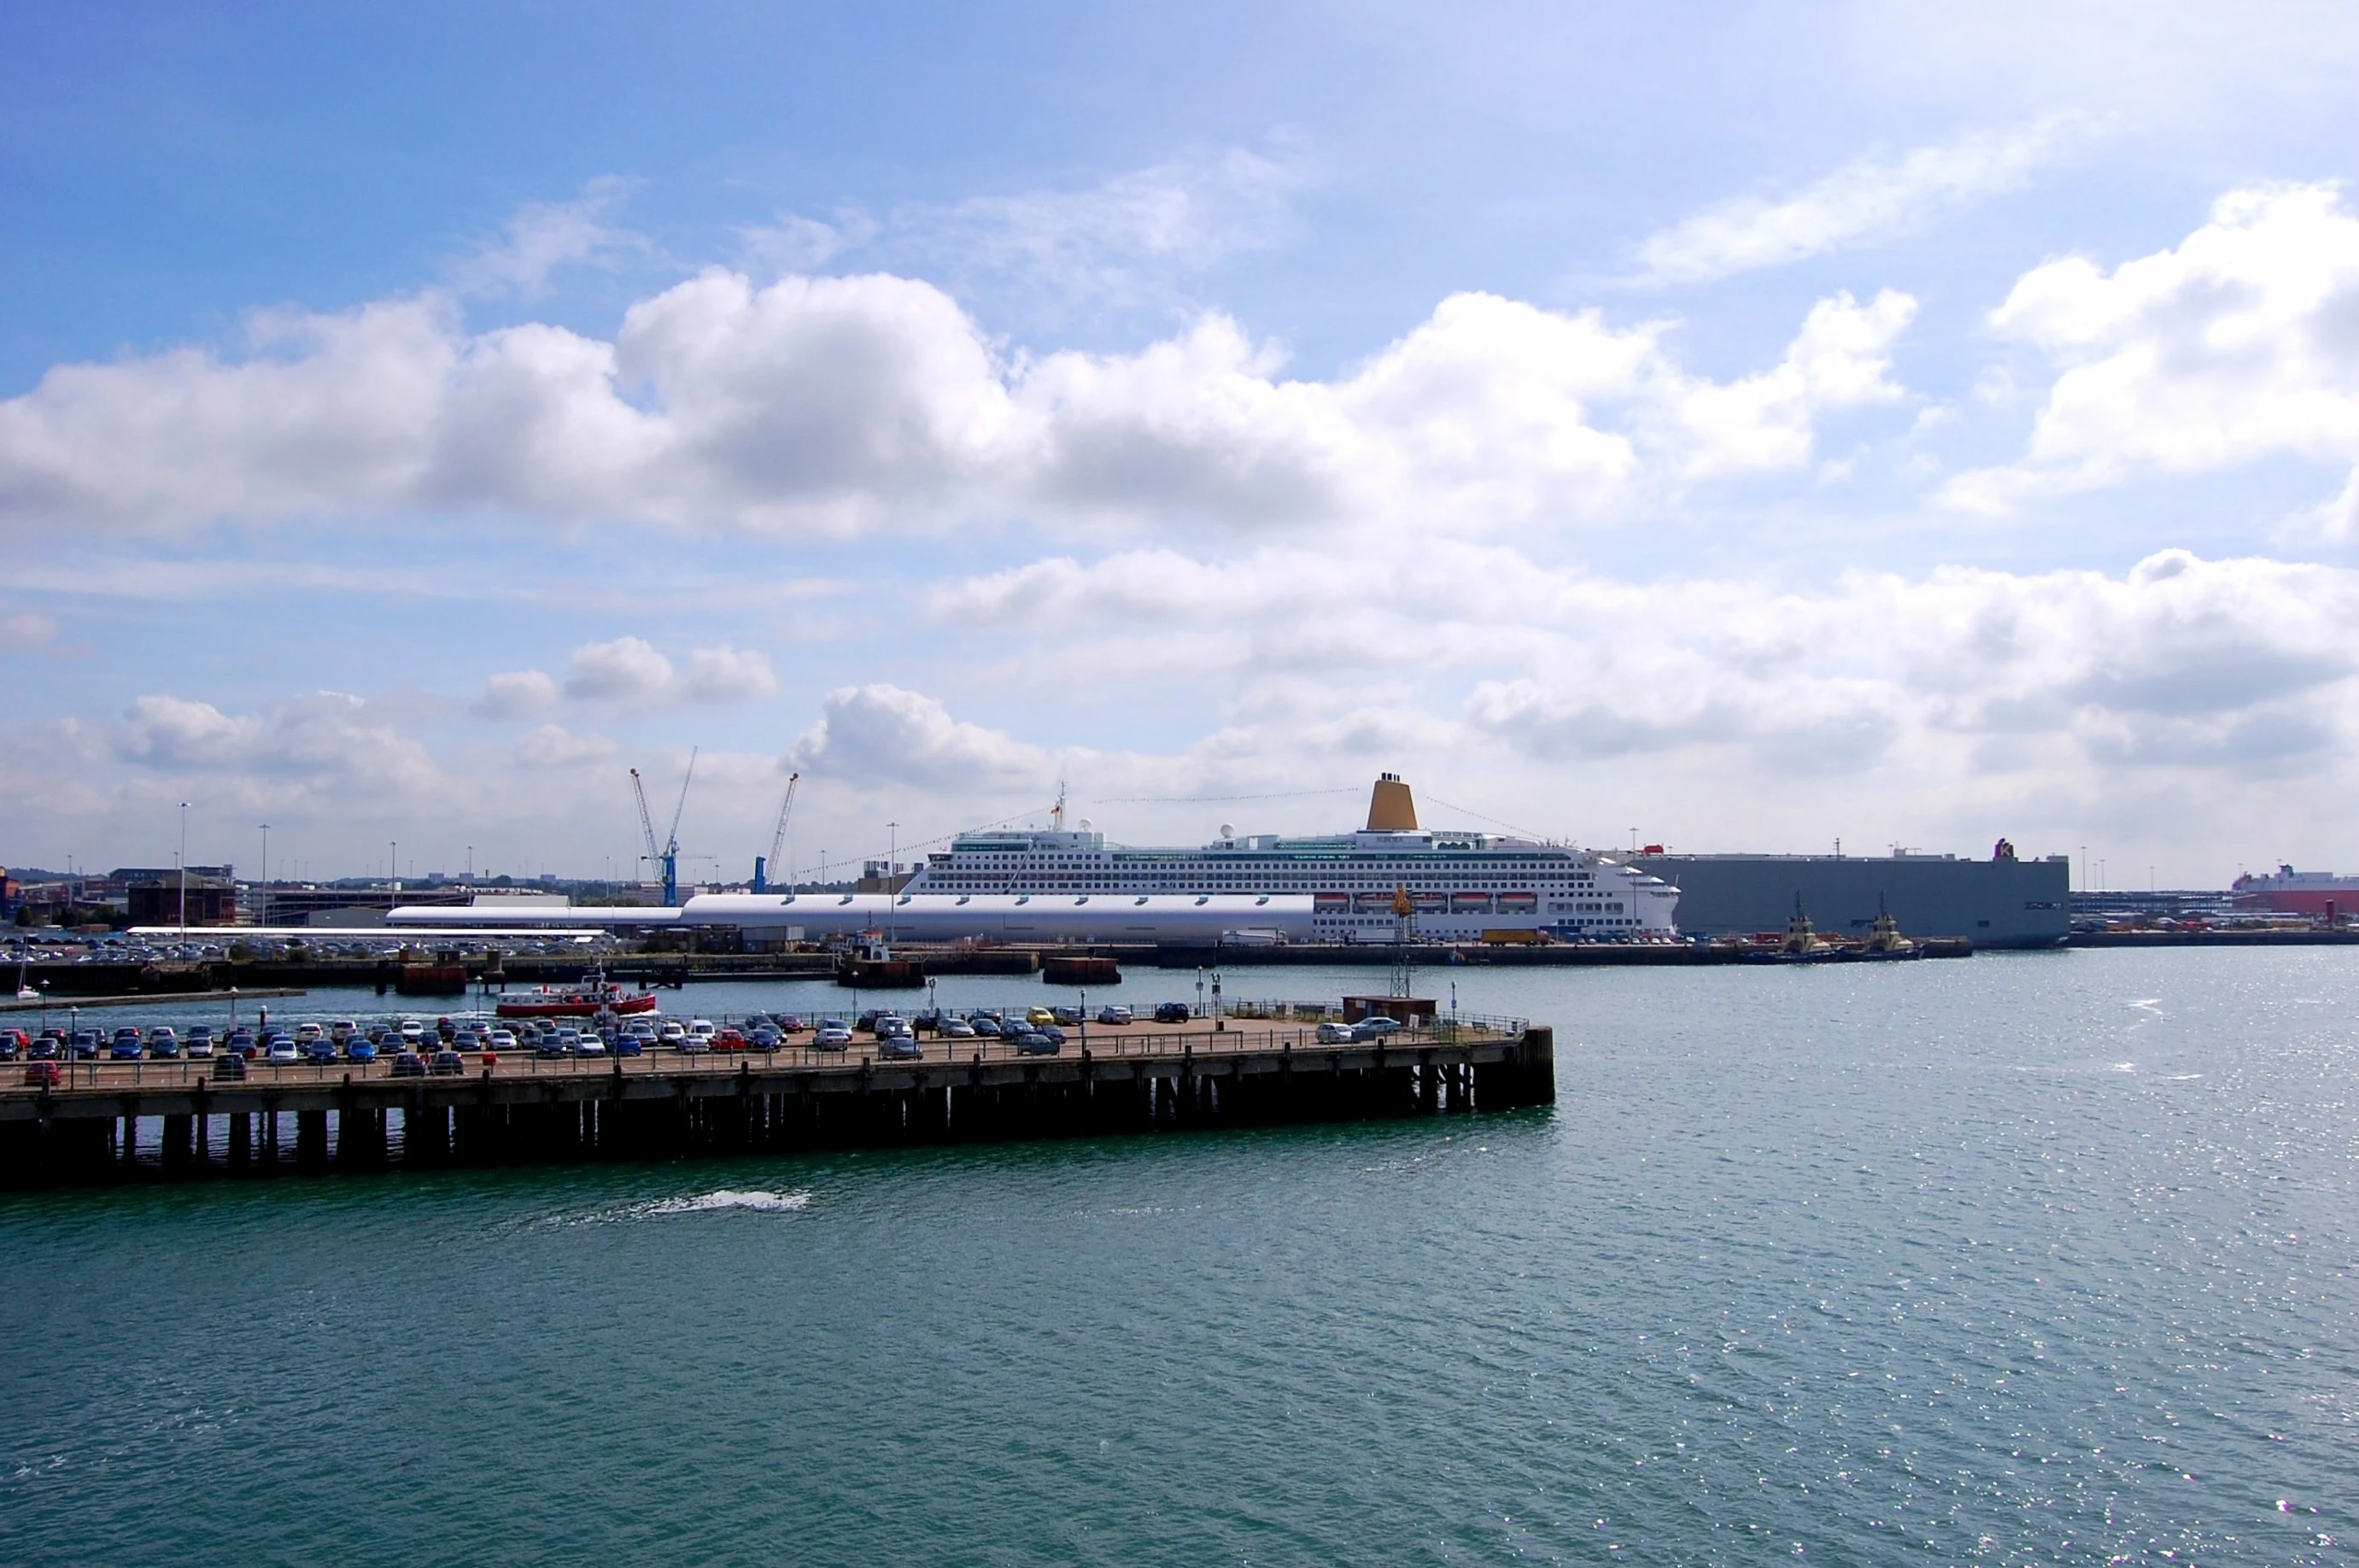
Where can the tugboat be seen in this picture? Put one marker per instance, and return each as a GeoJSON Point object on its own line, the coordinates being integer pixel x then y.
{"type": "Point", "coordinates": [1803, 944]}
{"type": "Point", "coordinates": [1885, 941]}
{"type": "Point", "coordinates": [592, 995]}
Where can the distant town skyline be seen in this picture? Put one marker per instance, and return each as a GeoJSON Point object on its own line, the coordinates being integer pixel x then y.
{"type": "Point", "coordinates": [1746, 427]}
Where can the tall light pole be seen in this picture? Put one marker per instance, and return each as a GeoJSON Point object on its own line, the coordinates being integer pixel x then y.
{"type": "Point", "coordinates": [393, 864]}
{"type": "Point", "coordinates": [184, 869]}
{"type": "Point", "coordinates": [261, 901]}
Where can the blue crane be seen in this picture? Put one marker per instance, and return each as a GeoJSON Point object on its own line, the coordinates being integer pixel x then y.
{"type": "Point", "coordinates": [666, 854]}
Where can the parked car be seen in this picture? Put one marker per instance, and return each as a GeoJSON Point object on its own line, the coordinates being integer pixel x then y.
{"type": "Point", "coordinates": [357, 1051]}
{"type": "Point", "coordinates": [831, 1037]}
{"type": "Point", "coordinates": [1114, 1013]}
{"type": "Point", "coordinates": [728, 1040]}
{"type": "Point", "coordinates": [590, 1045]}
{"type": "Point", "coordinates": [900, 1047]}
{"type": "Point", "coordinates": [957, 1029]}
{"type": "Point", "coordinates": [705, 1027]}
{"type": "Point", "coordinates": [500, 1040]}
{"type": "Point", "coordinates": [1334, 1034]}
{"type": "Point", "coordinates": [229, 1069]}
{"type": "Point", "coordinates": [1064, 1014]}
{"type": "Point", "coordinates": [1052, 1033]}
{"type": "Point", "coordinates": [764, 1037]}
{"type": "Point", "coordinates": [791, 1023]}
{"type": "Point", "coordinates": [411, 1030]}
{"type": "Point", "coordinates": [126, 1048]}
{"type": "Point", "coordinates": [322, 1051]}
{"type": "Point", "coordinates": [1172, 1013]}
{"type": "Point", "coordinates": [1375, 1028]}
{"type": "Point", "coordinates": [163, 1043]}
{"type": "Point", "coordinates": [985, 1025]}
{"type": "Point", "coordinates": [409, 1064]}
{"type": "Point", "coordinates": [447, 1063]}
{"type": "Point", "coordinates": [201, 1041]}
{"type": "Point", "coordinates": [281, 1048]}
{"type": "Point", "coordinates": [43, 1074]}
{"type": "Point", "coordinates": [889, 1027]}
{"type": "Point", "coordinates": [628, 1044]}
{"type": "Point", "coordinates": [1036, 1017]}
{"type": "Point", "coordinates": [670, 1033]}
{"type": "Point", "coordinates": [1032, 1042]}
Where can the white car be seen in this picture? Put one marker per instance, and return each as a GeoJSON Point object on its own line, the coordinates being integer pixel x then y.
{"type": "Point", "coordinates": [704, 1029]}
{"type": "Point", "coordinates": [670, 1033]}
{"type": "Point", "coordinates": [410, 1030]}
{"type": "Point", "coordinates": [343, 1030]}
{"type": "Point", "coordinates": [1334, 1034]}
{"type": "Point", "coordinates": [500, 1040]}
{"type": "Point", "coordinates": [306, 1033]}
{"type": "Point", "coordinates": [590, 1045]}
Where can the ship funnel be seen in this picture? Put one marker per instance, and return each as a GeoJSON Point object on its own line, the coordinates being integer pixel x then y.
{"type": "Point", "coordinates": [1391, 809]}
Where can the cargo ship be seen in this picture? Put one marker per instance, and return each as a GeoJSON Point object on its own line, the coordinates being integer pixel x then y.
{"type": "Point", "coordinates": [1458, 885]}
{"type": "Point", "coordinates": [2320, 895]}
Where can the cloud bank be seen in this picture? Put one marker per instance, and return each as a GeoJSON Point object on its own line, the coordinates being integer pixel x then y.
{"type": "Point", "coordinates": [826, 406]}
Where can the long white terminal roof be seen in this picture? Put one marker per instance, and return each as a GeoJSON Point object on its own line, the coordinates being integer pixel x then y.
{"type": "Point", "coordinates": [915, 917]}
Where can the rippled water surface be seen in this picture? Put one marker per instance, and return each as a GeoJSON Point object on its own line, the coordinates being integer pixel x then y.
{"type": "Point", "coordinates": [2041, 1257]}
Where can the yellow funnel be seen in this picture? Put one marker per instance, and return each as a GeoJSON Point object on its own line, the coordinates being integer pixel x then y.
{"type": "Point", "coordinates": [1391, 809]}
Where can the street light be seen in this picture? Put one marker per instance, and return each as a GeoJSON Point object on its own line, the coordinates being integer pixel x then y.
{"type": "Point", "coordinates": [184, 870]}
{"type": "Point", "coordinates": [1199, 990]}
{"type": "Point", "coordinates": [262, 897]}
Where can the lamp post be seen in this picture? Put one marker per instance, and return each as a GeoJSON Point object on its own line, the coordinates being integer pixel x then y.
{"type": "Point", "coordinates": [1085, 1021]}
{"type": "Point", "coordinates": [393, 864]}
{"type": "Point", "coordinates": [262, 884]}
{"type": "Point", "coordinates": [1199, 990]}
{"type": "Point", "coordinates": [184, 870]}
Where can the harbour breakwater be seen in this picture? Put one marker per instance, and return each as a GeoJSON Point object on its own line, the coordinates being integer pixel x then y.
{"type": "Point", "coordinates": [114, 1126]}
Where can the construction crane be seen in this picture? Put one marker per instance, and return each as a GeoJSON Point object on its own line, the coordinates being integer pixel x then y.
{"type": "Point", "coordinates": [762, 862]}
{"type": "Point", "coordinates": [665, 853]}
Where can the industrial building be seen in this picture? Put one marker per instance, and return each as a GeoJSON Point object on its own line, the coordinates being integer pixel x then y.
{"type": "Point", "coordinates": [1999, 902]}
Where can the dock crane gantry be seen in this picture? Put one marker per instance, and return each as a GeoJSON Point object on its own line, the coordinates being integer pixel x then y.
{"type": "Point", "coordinates": [762, 862]}
{"type": "Point", "coordinates": [666, 854]}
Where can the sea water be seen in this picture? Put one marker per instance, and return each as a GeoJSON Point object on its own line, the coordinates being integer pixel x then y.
{"type": "Point", "coordinates": [2030, 1257]}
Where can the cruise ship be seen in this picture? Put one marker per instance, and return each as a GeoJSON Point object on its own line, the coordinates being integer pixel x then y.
{"type": "Point", "coordinates": [1458, 885]}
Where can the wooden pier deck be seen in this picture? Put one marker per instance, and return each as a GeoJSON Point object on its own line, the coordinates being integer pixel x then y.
{"type": "Point", "coordinates": [175, 1120]}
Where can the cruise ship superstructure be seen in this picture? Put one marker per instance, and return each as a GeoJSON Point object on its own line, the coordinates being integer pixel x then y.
{"type": "Point", "coordinates": [1460, 884]}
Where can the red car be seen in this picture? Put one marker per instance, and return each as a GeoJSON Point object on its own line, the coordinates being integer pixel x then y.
{"type": "Point", "coordinates": [43, 1074]}
{"type": "Point", "coordinates": [729, 1039]}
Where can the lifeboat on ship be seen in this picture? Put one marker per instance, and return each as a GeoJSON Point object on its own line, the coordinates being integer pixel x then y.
{"type": "Point", "coordinates": [1519, 903]}
{"type": "Point", "coordinates": [1470, 903]}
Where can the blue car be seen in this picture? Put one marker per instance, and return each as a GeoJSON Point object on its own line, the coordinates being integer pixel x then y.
{"type": "Point", "coordinates": [125, 1049]}
{"type": "Point", "coordinates": [625, 1045]}
{"type": "Point", "coordinates": [360, 1051]}
{"type": "Point", "coordinates": [322, 1051]}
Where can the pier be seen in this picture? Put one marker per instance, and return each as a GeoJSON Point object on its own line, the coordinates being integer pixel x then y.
{"type": "Point", "coordinates": [176, 1121]}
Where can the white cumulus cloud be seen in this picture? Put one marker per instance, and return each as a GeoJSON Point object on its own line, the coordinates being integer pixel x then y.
{"type": "Point", "coordinates": [881, 732]}
{"type": "Point", "coordinates": [825, 405]}
{"type": "Point", "coordinates": [2240, 343]}
{"type": "Point", "coordinates": [632, 672]}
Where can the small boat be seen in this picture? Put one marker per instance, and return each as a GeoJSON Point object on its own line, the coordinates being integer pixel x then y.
{"type": "Point", "coordinates": [24, 993]}
{"type": "Point", "coordinates": [592, 995]}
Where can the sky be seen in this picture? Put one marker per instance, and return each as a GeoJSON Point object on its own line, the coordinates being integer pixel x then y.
{"type": "Point", "coordinates": [1730, 427]}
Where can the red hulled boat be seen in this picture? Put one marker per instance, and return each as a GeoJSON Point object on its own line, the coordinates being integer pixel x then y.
{"type": "Point", "coordinates": [593, 995]}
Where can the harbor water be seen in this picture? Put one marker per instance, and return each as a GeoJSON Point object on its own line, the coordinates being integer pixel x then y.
{"type": "Point", "coordinates": [2035, 1257]}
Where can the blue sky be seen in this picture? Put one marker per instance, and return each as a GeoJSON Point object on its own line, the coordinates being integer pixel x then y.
{"type": "Point", "coordinates": [1752, 426]}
